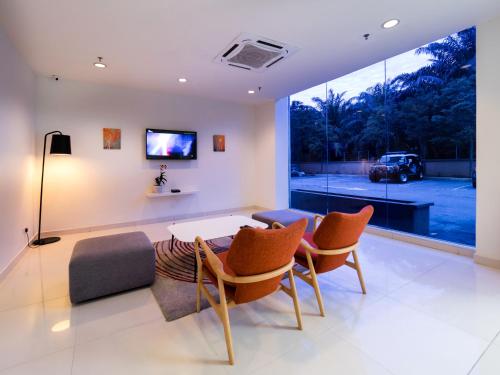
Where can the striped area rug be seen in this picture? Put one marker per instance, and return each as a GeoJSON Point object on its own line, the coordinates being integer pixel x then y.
{"type": "Point", "coordinates": [178, 263]}
{"type": "Point", "coordinates": [175, 285]}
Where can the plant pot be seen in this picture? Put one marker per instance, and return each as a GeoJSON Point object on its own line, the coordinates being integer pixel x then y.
{"type": "Point", "coordinates": [157, 189]}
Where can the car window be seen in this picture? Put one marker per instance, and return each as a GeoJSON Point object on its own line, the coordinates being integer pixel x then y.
{"type": "Point", "coordinates": [391, 159]}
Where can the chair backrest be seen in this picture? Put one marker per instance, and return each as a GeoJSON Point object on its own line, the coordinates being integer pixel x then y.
{"type": "Point", "coordinates": [257, 251]}
{"type": "Point", "coordinates": [338, 230]}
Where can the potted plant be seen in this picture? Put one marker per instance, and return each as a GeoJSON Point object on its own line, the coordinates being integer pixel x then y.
{"type": "Point", "coordinates": [160, 180]}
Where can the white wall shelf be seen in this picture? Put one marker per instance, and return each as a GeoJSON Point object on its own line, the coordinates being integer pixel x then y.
{"type": "Point", "coordinates": [170, 194]}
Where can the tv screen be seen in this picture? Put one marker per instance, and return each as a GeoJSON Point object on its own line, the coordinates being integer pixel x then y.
{"type": "Point", "coordinates": [170, 144]}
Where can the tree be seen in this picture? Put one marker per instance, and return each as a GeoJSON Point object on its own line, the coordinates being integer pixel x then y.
{"type": "Point", "coordinates": [307, 133]}
{"type": "Point", "coordinates": [430, 111]}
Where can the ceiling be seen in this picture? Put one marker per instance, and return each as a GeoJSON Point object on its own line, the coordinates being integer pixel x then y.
{"type": "Point", "coordinates": [151, 43]}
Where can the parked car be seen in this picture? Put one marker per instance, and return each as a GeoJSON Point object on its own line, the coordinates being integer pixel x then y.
{"type": "Point", "coordinates": [296, 172]}
{"type": "Point", "coordinates": [398, 166]}
{"type": "Point", "coordinates": [474, 178]}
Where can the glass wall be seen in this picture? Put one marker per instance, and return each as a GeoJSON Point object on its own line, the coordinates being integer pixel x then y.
{"type": "Point", "coordinates": [399, 135]}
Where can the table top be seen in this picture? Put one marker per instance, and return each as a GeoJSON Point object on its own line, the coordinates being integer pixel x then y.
{"type": "Point", "coordinates": [209, 229]}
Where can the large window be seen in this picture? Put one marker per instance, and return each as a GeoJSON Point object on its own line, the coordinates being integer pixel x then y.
{"type": "Point", "coordinates": [399, 135]}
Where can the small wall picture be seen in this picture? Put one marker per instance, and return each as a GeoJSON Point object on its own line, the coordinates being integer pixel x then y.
{"type": "Point", "coordinates": [219, 143]}
{"type": "Point", "coordinates": [112, 139]}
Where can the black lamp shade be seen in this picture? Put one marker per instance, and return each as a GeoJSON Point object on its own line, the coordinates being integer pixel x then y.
{"type": "Point", "coordinates": [61, 144]}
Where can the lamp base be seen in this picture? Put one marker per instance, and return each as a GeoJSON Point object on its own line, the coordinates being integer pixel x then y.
{"type": "Point", "coordinates": [45, 241]}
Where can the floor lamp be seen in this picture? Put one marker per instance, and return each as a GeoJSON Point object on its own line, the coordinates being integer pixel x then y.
{"type": "Point", "coordinates": [60, 145]}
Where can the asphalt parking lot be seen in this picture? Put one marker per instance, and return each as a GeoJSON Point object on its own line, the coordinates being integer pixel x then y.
{"type": "Point", "coordinates": [452, 218]}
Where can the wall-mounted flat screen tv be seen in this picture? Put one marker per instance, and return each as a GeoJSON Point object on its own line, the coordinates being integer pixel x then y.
{"type": "Point", "coordinates": [170, 144]}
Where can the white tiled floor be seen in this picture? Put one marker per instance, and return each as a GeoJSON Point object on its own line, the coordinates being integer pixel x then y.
{"type": "Point", "coordinates": [426, 312]}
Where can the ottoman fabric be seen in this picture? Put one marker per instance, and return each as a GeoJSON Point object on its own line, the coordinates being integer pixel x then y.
{"type": "Point", "coordinates": [285, 217]}
{"type": "Point", "coordinates": [105, 265]}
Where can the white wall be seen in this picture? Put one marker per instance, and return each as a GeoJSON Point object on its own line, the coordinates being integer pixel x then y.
{"type": "Point", "coordinates": [282, 152]}
{"type": "Point", "coordinates": [271, 154]}
{"type": "Point", "coordinates": [488, 138]}
{"type": "Point", "coordinates": [95, 187]}
{"type": "Point", "coordinates": [265, 167]}
{"type": "Point", "coordinates": [17, 84]}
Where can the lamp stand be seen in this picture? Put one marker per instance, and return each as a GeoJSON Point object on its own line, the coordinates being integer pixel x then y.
{"type": "Point", "coordinates": [44, 241]}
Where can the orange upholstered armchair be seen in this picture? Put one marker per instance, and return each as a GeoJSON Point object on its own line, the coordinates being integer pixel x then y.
{"type": "Point", "coordinates": [335, 236]}
{"type": "Point", "coordinates": [252, 268]}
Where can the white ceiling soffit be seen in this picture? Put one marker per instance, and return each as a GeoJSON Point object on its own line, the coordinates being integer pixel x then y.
{"type": "Point", "coordinates": [149, 44]}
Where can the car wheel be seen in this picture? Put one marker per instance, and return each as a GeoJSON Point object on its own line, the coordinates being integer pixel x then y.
{"type": "Point", "coordinates": [374, 178]}
{"type": "Point", "coordinates": [403, 178]}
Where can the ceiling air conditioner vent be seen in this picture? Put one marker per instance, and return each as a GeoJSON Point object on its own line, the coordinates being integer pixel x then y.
{"type": "Point", "coordinates": [254, 53]}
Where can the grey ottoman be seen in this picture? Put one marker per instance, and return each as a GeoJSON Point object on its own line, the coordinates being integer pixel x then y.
{"type": "Point", "coordinates": [285, 217]}
{"type": "Point", "coordinates": [110, 264]}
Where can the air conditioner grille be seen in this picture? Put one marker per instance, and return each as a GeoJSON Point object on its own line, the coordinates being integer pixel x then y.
{"type": "Point", "coordinates": [254, 53]}
{"type": "Point", "coordinates": [253, 56]}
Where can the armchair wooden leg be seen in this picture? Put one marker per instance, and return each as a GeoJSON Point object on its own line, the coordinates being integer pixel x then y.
{"type": "Point", "coordinates": [225, 322]}
{"type": "Point", "coordinates": [296, 305]}
{"type": "Point", "coordinates": [318, 293]}
{"type": "Point", "coordinates": [315, 284]}
{"type": "Point", "coordinates": [198, 290]}
{"type": "Point", "coordinates": [358, 270]}
{"type": "Point", "coordinates": [199, 275]}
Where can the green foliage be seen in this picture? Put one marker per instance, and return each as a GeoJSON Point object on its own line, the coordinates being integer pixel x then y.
{"type": "Point", "coordinates": [431, 111]}
{"type": "Point", "coordinates": [161, 179]}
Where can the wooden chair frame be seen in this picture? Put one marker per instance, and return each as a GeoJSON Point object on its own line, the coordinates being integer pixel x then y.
{"type": "Point", "coordinates": [225, 303]}
{"type": "Point", "coordinates": [310, 276]}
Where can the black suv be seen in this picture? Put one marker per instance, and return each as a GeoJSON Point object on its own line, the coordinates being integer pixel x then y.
{"type": "Point", "coordinates": [398, 166]}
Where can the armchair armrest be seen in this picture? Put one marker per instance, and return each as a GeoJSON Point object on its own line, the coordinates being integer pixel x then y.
{"type": "Point", "coordinates": [214, 261]}
{"type": "Point", "coordinates": [317, 220]}
{"type": "Point", "coordinates": [261, 276]}
{"type": "Point", "coordinates": [310, 249]}
{"type": "Point", "coordinates": [277, 225]}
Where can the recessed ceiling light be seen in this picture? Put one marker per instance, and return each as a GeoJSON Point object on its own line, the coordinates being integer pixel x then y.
{"type": "Point", "coordinates": [182, 80]}
{"type": "Point", "coordinates": [251, 92]}
{"type": "Point", "coordinates": [99, 64]}
{"type": "Point", "coordinates": [390, 23]}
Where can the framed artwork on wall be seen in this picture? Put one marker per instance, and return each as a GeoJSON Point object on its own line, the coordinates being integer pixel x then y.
{"type": "Point", "coordinates": [219, 143]}
{"type": "Point", "coordinates": [111, 139]}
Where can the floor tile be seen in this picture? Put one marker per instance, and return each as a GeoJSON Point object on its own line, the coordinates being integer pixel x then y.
{"type": "Point", "coordinates": [388, 264]}
{"type": "Point", "coordinates": [257, 343]}
{"type": "Point", "coordinates": [328, 354]}
{"type": "Point", "coordinates": [153, 348]}
{"type": "Point", "coordinates": [28, 333]}
{"type": "Point", "coordinates": [54, 267]}
{"type": "Point", "coordinates": [22, 286]}
{"type": "Point", "coordinates": [157, 231]}
{"type": "Point", "coordinates": [426, 312]}
{"type": "Point", "coordinates": [105, 316]}
{"type": "Point", "coordinates": [406, 341]}
{"type": "Point", "coordinates": [457, 296]}
{"type": "Point", "coordinates": [489, 364]}
{"type": "Point", "coordinates": [58, 363]}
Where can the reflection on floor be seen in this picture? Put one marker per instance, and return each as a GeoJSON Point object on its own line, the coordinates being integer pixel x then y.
{"type": "Point", "coordinates": [426, 312]}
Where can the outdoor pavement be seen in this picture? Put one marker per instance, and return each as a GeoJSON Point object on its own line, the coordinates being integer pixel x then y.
{"type": "Point", "coordinates": [452, 218]}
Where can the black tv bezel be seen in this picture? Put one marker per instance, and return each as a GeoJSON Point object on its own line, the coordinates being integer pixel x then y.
{"type": "Point", "coordinates": [162, 157]}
